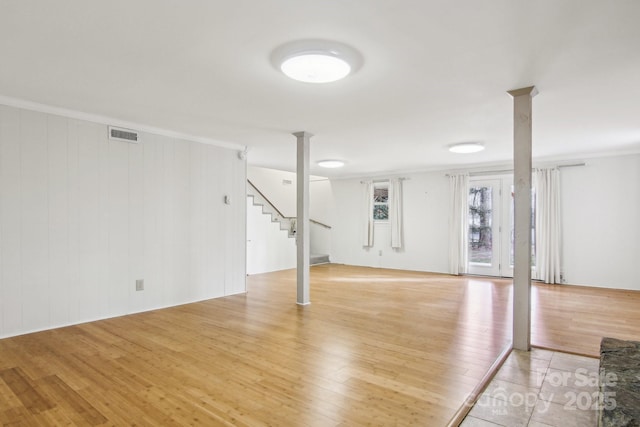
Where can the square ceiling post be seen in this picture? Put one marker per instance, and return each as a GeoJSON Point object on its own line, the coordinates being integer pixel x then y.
{"type": "Point", "coordinates": [303, 247]}
{"type": "Point", "coordinates": [522, 138]}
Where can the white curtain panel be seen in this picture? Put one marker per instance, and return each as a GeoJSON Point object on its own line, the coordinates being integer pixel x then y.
{"type": "Point", "coordinates": [367, 213]}
{"type": "Point", "coordinates": [548, 233]}
{"type": "Point", "coordinates": [395, 212]}
{"type": "Point", "coordinates": [458, 223]}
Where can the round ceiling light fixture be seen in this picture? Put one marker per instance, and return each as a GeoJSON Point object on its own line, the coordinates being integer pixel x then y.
{"type": "Point", "coordinates": [315, 68]}
{"type": "Point", "coordinates": [331, 164]}
{"type": "Point", "coordinates": [316, 61]}
{"type": "Point", "coordinates": [466, 147]}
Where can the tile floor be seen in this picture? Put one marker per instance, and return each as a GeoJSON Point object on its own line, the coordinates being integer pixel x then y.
{"type": "Point", "coordinates": [539, 388]}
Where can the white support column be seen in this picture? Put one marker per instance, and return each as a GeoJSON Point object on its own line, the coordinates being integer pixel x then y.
{"type": "Point", "coordinates": [522, 216]}
{"type": "Point", "coordinates": [302, 233]}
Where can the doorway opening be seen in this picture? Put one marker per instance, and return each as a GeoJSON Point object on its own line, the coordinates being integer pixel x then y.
{"type": "Point", "coordinates": [491, 226]}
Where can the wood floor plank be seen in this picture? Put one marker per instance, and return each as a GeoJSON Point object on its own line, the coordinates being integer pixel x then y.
{"type": "Point", "coordinates": [79, 410]}
{"type": "Point", "coordinates": [25, 390]}
{"type": "Point", "coordinates": [575, 318]}
{"type": "Point", "coordinates": [375, 347]}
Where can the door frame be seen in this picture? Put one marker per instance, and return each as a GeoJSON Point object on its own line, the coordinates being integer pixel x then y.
{"type": "Point", "coordinates": [502, 226]}
{"type": "Point", "coordinates": [491, 268]}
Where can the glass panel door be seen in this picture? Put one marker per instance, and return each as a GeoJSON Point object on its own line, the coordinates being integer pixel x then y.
{"type": "Point", "coordinates": [508, 239]}
{"type": "Point", "coordinates": [484, 227]}
{"type": "Point", "coordinates": [491, 227]}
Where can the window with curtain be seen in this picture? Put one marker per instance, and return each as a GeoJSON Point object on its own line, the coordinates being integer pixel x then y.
{"type": "Point", "coordinates": [395, 212]}
{"type": "Point", "coordinates": [383, 204]}
{"type": "Point", "coordinates": [381, 201]}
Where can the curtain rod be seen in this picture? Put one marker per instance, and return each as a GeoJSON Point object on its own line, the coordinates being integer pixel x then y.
{"type": "Point", "coordinates": [384, 180]}
{"type": "Point", "coordinates": [503, 171]}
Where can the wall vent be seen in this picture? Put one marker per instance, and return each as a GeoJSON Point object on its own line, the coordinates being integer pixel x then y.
{"type": "Point", "coordinates": [126, 135]}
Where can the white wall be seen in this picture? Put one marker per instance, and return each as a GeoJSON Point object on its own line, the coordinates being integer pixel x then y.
{"type": "Point", "coordinates": [82, 217]}
{"type": "Point", "coordinates": [426, 244]}
{"type": "Point", "coordinates": [319, 239]}
{"type": "Point", "coordinates": [601, 222]}
{"type": "Point", "coordinates": [268, 247]}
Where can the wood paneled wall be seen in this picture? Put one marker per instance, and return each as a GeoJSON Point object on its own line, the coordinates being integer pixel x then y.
{"type": "Point", "coordinates": [82, 217]}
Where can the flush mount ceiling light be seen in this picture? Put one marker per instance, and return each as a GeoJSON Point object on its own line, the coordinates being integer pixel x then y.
{"type": "Point", "coordinates": [315, 68]}
{"type": "Point", "coordinates": [466, 147]}
{"type": "Point", "coordinates": [331, 164]}
{"type": "Point", "coordinates": [316, 61]}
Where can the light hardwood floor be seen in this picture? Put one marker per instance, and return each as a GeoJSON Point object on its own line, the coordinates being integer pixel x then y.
{"type": "Point", "coordinates": [574, 319]}
{"type": "Point", "coordinates": [375, 347]}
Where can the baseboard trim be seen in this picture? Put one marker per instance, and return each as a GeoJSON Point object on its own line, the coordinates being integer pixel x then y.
{"type": "Point", "coordinates": [462, 412]}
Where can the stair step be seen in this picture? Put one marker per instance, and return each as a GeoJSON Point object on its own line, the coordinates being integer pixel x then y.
{"type": "Point", "coordinates": [315, 259]}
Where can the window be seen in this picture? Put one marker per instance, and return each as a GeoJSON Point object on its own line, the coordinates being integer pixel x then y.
{"type": "Point", "coordinates": [381, 201]}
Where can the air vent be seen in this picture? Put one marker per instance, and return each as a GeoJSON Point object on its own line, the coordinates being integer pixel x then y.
{"type": "Point", "coordinates": [120, 134]}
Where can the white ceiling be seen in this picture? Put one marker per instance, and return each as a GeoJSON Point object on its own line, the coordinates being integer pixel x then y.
{"type": "Point", "coordinates": [434, 73]}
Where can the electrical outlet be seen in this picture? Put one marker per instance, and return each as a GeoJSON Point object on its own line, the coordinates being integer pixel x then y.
{"type": "Point", "coordinates": [380, 252]}
{"type": "Point", "coordinates": [140, 285]}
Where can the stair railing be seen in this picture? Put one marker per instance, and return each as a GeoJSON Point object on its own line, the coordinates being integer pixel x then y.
{"type": "Point", "coordinates": [292, 219]}
{"type": "Point", "coordinates": [266, 199]}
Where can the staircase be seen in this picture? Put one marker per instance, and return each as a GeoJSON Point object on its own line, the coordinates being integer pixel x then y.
{"type": "Point", "coordinates": [319, 259]}
{"type": "Point", "coordinates": [258, 199]}
{"type": "Point", "coordinates": [287, 224]}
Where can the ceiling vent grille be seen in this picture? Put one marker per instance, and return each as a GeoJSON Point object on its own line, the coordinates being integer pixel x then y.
{"type": "Point", "coordinates": [126, 135]}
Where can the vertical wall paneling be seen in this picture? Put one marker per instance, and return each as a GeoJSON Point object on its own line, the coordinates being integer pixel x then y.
{"type": "Point", "coordinates": [73, 220]}
{"type": "Point", "coordinates": [206, 284]}
{"type": "Point", "coordinates": [196, 219]}
{"type": "Point", "coordinates": [89, 214]}
{"type": "Point", "coordinates": [238, 185]}
{"type": "Point", "coordinates": [118, 226]}
{"type": "Point", "coordinates": [214, 262]}
{"type": "Point", "coordinates": [234, 182]}
{"type": "Point", "coordinates": [154, 235]}
{"type": "Point", "coordinates": [225, 180]}
{"type": "Point", "coordinates": [168, 224]}
{"type": "Point", "coordinates": [181, 236]}
{"type": "Point", "coordinates": [10, 220]}
{"type": "Point", "coordinates": [35, 218]}
{"type": "Point", "coordinates": [58, 201]}
{"type": "Point", "coordinates": [167, 220]}
{"type": "Point", "coordinates": [102, 277]}
{"type": "Point", "coordinates": [136, 203]}
{"type": "Point", "coordinates": [82, 217]}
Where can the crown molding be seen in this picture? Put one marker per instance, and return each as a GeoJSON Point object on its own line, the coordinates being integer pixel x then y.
{"type": "Point", "coordinates": [110, 121]}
